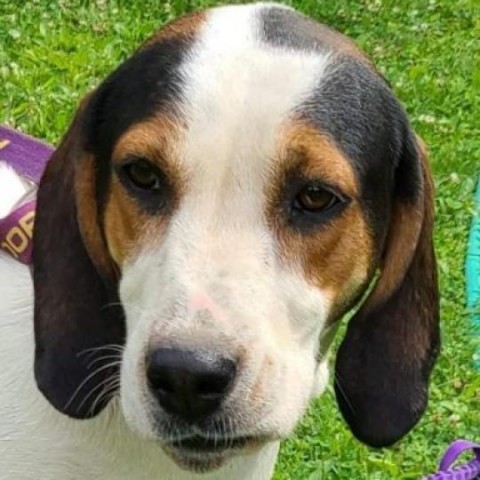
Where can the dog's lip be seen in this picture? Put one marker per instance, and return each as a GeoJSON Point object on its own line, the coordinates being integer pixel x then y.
{"type": "Point", "coordinates": [205, 445]}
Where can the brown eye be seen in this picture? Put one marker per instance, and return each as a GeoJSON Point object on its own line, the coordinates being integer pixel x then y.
{"type": "Point", "coordinates": [142, 175]}
{"type": "Point", "coordinates": [315, 199]}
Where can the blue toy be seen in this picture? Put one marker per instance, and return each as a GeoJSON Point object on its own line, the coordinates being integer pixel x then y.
{"type": "Point", "coordinates": [473, 272]}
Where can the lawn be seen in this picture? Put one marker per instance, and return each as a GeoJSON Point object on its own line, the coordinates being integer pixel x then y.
{"type": "Point", "coordinates": [52, 53]}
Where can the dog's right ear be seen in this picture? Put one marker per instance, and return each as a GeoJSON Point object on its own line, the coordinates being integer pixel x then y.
{"type": "Point", "coordinates": [386, 358]}
{"type": "Point", "coordinates": [78, 318]}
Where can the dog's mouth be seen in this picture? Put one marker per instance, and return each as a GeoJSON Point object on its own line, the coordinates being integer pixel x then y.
{"type": "Point", "coordinates": [200, 444]}
{"type": "Point", "coordinates": [202, 454]}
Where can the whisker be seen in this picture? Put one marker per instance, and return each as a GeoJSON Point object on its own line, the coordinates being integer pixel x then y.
{"type": "Point", "coordinates": [109, 390]}
{"type": "Point", "coordinates": [337, 381]}
{"type": "Point", "coordinates": [86, 380]}
{"type": "Point", "coordinates": [122, 304]}
{"type": "Point", "coordinates": [105, 357]}
{"type": "Point", "coordinates": [111, 346]}
{"type": "Point", "coordinates": [95, 388]}
{"type": "Point", "coordinates": [112, 304]}
{"type": "Point", "coordinates": [230, 430]}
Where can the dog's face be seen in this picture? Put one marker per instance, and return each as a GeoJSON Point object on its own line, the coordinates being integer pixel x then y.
{"type": "Point", "coordinates": [220, 201]}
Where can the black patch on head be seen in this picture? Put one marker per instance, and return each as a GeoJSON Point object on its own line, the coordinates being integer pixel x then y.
{"type": "Point", "coordinates": [282, 27]}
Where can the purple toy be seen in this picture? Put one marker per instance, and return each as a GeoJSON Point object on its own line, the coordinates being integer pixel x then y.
{"type": "Point", "coordinates": [469, 471]}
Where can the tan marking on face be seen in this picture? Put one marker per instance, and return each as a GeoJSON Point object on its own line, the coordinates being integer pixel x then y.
{"type": "Point", "coordinates": [186, 26]}
{"type": "Point", "coordinates": [156, 140]}
{"type": "Point", "coordinates": [124, 223]}
{"type": "Point", "coordinates": [128, 228]}
{"type": "Point", "coordinates": [336, 256]}
{"type": "Point", "coordinates": [87, 214]}
{"type": "Point", "coordinates": [304, 147]}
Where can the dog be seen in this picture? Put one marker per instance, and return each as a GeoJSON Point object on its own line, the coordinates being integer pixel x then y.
{"type": "Point", "coordinates": [217, 205]}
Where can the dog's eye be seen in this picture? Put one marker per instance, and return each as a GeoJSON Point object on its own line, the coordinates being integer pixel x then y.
{"type": "Point", "coordinates": [315, 199]}
{"type": "Point", "coordinates": [312, 204]}
{"type": "Point", "coordinates": [142, 175]}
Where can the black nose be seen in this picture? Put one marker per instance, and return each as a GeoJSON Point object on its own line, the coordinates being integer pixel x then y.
{"type": "Point", "coordinates": [189, 384]}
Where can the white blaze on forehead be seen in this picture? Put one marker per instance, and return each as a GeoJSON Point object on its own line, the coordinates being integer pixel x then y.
{"type": "Point", "coordinates": [238, 90]}
{"type": "Point", "coordinates": [217, 253]}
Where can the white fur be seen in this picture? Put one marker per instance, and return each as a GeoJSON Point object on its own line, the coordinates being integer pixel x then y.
{"type": "Point", "coordinates": [13, 188]}
{"type": "Point", "coordinates": [217, 255]}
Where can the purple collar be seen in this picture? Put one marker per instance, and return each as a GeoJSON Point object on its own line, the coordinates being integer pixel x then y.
{"type": "Point", "coordinates": [28, 158]}
{"type": "Point", "coordinates": [27, 155]}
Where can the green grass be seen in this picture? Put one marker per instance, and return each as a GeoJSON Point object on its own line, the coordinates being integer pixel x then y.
{"type": "Point", "coordinates": [52, 53]}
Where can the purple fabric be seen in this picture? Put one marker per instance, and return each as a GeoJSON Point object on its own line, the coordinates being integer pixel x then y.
{"type": "Point", "coordinates": [455, 450]}
{"type": "Point", "coordinates": [16, 232]}
{"type": "Point", "coordinates": [470, 471]}
{"type": "Point", "coordinates": [27, 155]}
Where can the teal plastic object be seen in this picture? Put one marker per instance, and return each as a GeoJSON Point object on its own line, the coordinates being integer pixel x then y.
{"type": "Point", "coordinates": [473, 272]}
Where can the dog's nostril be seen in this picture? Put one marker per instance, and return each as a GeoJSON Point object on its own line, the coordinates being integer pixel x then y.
{"type": "Point", "coordinates": [189, 384]}
{"type": "Point", "coordinates": [217, 384]}
{"type": "Point", "coordinates": [160, 382]}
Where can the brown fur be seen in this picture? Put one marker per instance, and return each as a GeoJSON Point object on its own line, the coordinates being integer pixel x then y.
{"type": "Point", "coordinates": [335, 257]}
{"type": "Point", "coordinates": [156, 140]}
{"type": "Point", "coordinates": [339, 43]}
{"type": "Point", "coordinates": [87, 216]}
{"type": "Point", "coordinates": [126, 225]}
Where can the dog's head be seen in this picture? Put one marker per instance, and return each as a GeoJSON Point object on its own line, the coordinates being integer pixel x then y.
{"type": "Point", "coordinates": [218, 204]}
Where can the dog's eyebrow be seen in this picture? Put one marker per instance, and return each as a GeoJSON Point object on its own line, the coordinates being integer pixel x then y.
{"type": "Point", "coordinates": [310, 152]}
{"type": "Point", "coordinates": [155, 140]}
{"type": "Point", "coordinates": [148, 137]}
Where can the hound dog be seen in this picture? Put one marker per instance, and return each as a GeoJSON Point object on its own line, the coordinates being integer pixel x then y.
{"type": "Point", "coordinates": [219, 202]}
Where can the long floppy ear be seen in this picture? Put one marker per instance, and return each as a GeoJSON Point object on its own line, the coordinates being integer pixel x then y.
{"type": "Point", "coordinates": [76, 304]}
{"type": "Point", "coordinates": [384, 363]}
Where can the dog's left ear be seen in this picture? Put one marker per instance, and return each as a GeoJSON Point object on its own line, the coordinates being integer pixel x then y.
{"type": "Point", "coordinates": [384, 363]}
{"type": "Point", "coordinates": [78, 320]}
